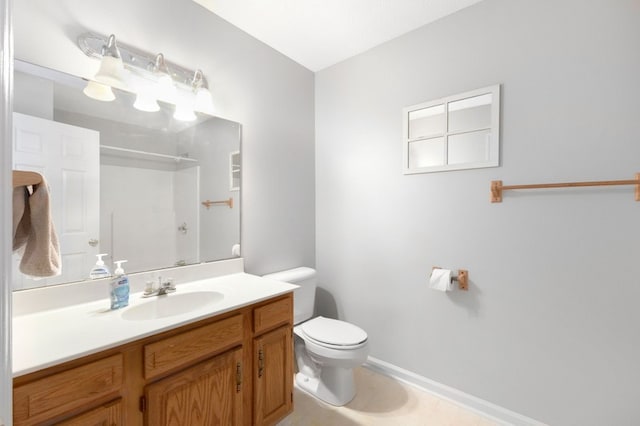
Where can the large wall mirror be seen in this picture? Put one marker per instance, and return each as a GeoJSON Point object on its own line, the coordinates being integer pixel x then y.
{"type": "Point", "coordinates": [140, 186]}
{"type": "Point", "coordinates": [453, 133]}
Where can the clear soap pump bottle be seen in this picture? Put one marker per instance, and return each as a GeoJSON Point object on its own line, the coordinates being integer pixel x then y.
{"type": "Point", "coordinates": [100, 270]}
{"type": "Point", "coordinates": [119, 287]}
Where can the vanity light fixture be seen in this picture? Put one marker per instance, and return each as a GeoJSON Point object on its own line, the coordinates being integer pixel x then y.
{"type": "Point", "coordinates": [184, 107]}
{"type": "Point", "coordinates": [148, 92]}
{"type": "Point", "coordinates": [183, 112]}
{"type": "Point", "coordinates": [200, 101]}
{"type": "Point", "coordinates": [204, 100]}
{"type": "Point", "coordinates": [166, 87]}
{"type": "Point", "coordinates": [150, 77]}
{"type": "Point", "coordinates": [146, 102]}
{"type": "Point", "coordinates": [99, 91]}
{"type": "Point", "coordinates": [111, 66]}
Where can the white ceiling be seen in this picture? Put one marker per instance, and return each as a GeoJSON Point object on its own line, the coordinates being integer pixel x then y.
{"type": "Point", "coordinates": [320, 33]}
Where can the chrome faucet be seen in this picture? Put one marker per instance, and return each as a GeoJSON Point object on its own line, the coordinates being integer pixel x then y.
{"type": "Point", "coordinates": [163, 288]}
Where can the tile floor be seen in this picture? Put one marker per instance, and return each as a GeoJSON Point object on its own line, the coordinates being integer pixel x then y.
{"type": "Point", "coordinates": [382, 401]}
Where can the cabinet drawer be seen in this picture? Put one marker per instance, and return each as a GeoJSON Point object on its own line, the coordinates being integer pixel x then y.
{"type": "Point", "coordinates": [107, 415]}
{"type": "Point", "coordinates": [273, 314]}
{"type": "Point", "coordinates": [181, 350]}
{"type": "Point", "coordinates": [65, 391]}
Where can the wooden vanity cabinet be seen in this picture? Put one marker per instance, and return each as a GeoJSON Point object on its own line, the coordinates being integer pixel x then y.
{"type": "Point", "coordinates": [232, 369]}
{"type": "Point", "coordinates": [273, 362]}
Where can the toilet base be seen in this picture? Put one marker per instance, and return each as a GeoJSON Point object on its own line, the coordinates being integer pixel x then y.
{"type": "Point", "coordinates": [335, 385]}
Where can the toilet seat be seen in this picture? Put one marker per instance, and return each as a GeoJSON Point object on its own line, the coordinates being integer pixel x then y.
{"type": "Point", "coordinates": [333, 333]}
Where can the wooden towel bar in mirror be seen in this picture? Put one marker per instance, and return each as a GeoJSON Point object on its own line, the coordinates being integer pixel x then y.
{"type": "Point", "coordinates": [452, 133]}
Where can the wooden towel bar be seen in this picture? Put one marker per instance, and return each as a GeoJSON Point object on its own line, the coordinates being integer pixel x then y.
{"type": "Point", "coordinates": [497, 187]}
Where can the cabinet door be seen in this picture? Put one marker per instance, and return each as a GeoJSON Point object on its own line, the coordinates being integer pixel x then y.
{"type": "Point", "coordinates": [273, 377]}
{"type": "Point", "coordinates": [107, 415]}
{"type": "Point", "coordinates": [207, 394]}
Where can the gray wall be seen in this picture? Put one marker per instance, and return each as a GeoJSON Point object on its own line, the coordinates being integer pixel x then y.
{"type": "Point", "coordinates": [549, 327]}
{"type": "Point", "coordinates": [268, 93]}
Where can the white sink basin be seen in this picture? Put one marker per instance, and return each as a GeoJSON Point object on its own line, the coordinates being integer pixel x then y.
{"type": "Point", "coordinates": [171, 304]}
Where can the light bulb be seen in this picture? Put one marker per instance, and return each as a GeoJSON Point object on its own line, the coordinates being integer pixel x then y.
{"type": "Point", "coordinates": [146, 102]}
{"type": "Point", "coordinates": [98, 91]}
{"type": "Point", "coordinates": [204, 101]}
{"type": "Point", "coordinates": [165, 89]}
{"type": "Point", "coordinates": [184, 113]}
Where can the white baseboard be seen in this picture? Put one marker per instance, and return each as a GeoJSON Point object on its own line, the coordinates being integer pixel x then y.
{"type": "Point", "coordinates": [485, 408]}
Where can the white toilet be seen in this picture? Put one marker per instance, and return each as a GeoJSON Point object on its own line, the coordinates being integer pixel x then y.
{"type": "Point", "coordinates": [326, 349]}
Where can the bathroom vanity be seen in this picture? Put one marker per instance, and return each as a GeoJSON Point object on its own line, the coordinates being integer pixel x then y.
{"type": "Point", "coordinates": [228, 362]}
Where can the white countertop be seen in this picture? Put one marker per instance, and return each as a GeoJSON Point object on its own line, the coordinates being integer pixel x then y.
{"type": "Point", "coordinates": [50, 337]}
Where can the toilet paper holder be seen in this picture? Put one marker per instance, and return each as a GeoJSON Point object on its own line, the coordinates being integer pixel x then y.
{"type": "Point", "coordinates": [462, 278]}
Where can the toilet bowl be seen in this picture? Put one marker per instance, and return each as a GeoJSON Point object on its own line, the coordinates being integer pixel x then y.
{"type": "Point", "coordinates": [327, 350]}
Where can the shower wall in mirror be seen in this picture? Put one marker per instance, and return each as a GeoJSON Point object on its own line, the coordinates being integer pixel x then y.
{"type": "Point", "coordinates": [124, 182]}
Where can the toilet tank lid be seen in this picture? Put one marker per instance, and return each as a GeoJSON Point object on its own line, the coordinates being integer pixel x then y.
{"type": "Point", "coordinates": [293, 275]}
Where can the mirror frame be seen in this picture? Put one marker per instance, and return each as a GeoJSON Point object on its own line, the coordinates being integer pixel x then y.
{"type": "Point", "coordinates": [493, 158]}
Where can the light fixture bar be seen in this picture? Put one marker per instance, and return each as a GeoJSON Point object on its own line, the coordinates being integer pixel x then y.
{"type": "Point", "coordinates": [92, 45]}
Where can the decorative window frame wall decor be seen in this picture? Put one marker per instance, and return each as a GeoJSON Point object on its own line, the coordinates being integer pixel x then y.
{"type": "Point", "coordinates": [453, 133]}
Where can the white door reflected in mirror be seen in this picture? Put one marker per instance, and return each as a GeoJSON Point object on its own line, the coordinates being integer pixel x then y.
{"type": "Point", "coordinates": [453, 133]}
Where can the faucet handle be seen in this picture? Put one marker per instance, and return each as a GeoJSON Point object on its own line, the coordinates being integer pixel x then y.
{"type": "Point", "coordinates": [169, 285]}
{"type": "Point", "coordinates": [163, 287]}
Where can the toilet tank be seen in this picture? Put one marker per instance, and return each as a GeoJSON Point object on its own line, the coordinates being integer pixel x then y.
{"type": "Point", "coordinates": [305, 295]}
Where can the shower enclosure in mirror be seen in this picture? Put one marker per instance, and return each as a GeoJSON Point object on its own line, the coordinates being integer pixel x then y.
{"type": "Point", "coordinates": [453, 133]}
{"type": "Point", "coordinates": [125, 182]}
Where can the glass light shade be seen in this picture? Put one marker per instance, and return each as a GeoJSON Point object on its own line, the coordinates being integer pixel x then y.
{"type": "Point", "coordinates": [98, 91]}
{"type": "Point", "coordinates": [146, 102]}
{"type": "Point", "coordinates": [184, 113]}
{"type": "Point", "coordinates": [204, 101]}
{"type": "Point", "coordinates": [111, 71]}
{"type": "Point", "coordinates": [165, 89]}
{"type": "Point", "coordinates": [165, 79]}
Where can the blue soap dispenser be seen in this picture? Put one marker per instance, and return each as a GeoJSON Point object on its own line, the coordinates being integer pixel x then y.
{"type": "Point", "coordinates": [119, 287]}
